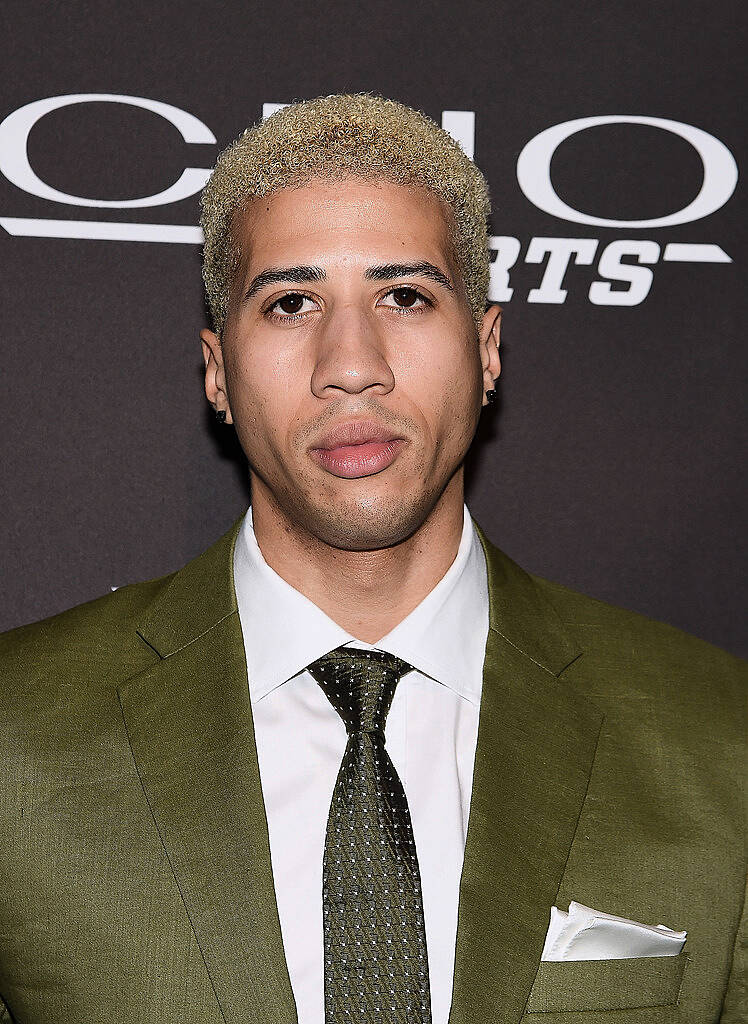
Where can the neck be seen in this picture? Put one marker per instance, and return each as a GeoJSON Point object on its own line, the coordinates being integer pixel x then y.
{"type": "Point", "coordinates": [366, 592]}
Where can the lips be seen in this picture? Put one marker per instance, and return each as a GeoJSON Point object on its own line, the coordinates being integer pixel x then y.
{"type": "Point", "coordinates": [357, 449]}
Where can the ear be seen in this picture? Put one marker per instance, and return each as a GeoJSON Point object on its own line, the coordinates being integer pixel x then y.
{"type": "Point", "coordinates": [215, 375]}
{"type": "Point", "coordinates": [490, 338]}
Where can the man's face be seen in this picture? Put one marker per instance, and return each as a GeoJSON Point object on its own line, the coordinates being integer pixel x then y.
{"type": "Point", "coordinates": [351, 365]}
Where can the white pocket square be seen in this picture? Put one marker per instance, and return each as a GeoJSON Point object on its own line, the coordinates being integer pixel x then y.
{"type": "Point", "coordinates": [587, 934]}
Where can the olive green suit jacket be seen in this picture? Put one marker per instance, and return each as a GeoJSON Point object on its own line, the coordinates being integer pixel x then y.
{"type": "Point", "coordinates": [135, 874]}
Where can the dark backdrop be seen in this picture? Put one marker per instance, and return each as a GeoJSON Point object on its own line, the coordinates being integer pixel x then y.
{"type": "Point", "coordinates": [616, 461]}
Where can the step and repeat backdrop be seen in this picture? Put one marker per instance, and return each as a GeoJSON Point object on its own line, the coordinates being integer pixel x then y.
{"type": "Point", "coordinates": [611, 136]}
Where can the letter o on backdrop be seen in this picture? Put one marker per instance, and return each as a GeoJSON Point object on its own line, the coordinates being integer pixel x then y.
{"type": "Point", "coordinates": [534, 171]}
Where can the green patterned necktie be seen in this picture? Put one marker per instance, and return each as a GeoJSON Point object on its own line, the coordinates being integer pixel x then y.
{"type": "Point", "coordinates": [376, 967]}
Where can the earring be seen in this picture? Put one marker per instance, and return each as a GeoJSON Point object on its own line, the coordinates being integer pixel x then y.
{"type": "Point", "coordinates": [220, 415]}
{"type": "Point", "coordinates": [491, 396]}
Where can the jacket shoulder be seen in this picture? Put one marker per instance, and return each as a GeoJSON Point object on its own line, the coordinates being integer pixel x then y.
{"type": "Point", "coordinates": [590, 613]}
{"type": "Point", "coordinates": [98, 634]}
{"type": "Point", "coordinates": [617, 639]}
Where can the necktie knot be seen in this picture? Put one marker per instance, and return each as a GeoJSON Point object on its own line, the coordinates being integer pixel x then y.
{"type": "Point", "coordinates": [360, 685]}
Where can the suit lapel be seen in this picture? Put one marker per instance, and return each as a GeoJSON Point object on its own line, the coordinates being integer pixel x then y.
{"type": "Point", "coordinates": [190, 728]}
{"type": "Point", "coordinates": [536, 744]}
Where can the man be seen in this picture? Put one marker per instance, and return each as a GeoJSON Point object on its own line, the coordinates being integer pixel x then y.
{"type": "Point", "coordinates": [341, 766]}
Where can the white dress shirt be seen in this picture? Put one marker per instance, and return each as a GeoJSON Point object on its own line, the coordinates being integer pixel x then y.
{"type": "Point", "coordinates": [430, 734]}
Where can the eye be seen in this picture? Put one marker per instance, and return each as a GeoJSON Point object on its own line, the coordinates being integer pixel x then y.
{"type": "Point", "coordinates": [289, 306]}
{"type": "Point", "coordinates": [405, 299]}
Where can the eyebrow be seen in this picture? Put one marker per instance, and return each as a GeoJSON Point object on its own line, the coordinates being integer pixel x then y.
{"type": "Point", "coordinates": [382, 272]}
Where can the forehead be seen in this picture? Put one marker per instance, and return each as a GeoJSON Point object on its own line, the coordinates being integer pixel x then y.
{"type": "Point", "coordinates": [345, 218]}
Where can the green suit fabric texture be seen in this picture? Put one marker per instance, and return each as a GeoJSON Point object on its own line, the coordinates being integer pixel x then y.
{"type": "Point", "coordinates": [135, 874]}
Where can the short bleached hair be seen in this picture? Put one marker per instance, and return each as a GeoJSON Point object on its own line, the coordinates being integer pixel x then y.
{"type": "Point", "coordinates": [361, 135]}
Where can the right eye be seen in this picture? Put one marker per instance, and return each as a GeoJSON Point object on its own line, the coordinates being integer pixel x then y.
{"type": "Point", "coordinates": [289, 306]}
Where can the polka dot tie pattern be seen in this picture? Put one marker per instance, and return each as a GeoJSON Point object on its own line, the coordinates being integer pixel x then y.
{"type": "Point", "coordinates": [376, 965]}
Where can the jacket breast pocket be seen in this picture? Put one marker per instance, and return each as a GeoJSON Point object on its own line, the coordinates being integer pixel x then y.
{"type": "Point", "coordinates": [579, 985]}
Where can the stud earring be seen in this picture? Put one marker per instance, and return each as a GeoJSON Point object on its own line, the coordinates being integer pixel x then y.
{"type": "Point", "coordinates": [491, 396]}
{"type": "Point", "coordinates": [220, 415]}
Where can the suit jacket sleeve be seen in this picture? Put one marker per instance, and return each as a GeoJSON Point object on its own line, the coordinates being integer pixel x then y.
{"type": "Point", "coordinates": [736, 997]}
{"type": "Point", "coordinates": [5, 1017]}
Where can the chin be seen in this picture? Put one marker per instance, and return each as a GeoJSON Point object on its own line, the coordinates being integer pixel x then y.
{"type": "Point", "coordinates": [368, 524]}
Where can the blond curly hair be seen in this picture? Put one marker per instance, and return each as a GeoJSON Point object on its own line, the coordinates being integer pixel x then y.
{"type": "Point", "coordinates": [362, 135]}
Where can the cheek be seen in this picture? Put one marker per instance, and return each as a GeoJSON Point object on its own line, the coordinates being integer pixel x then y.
{"type": "Point", "coordinates": [445, 380]}
{"type": "Point", "coordinates": [269, 399]}
{"type": "Point", "coordinates": [260, 384]}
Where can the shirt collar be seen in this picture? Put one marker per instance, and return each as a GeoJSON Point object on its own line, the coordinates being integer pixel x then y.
{"type": "Point", "coordinates": [443, 637]}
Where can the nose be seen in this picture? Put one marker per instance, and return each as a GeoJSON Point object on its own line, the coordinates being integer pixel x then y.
{"type": "Point", "coordinates": [350, 356]}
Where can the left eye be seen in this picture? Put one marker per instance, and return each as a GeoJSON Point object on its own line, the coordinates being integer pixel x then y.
{"type": "Point", "coordinates": [406, 298]}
